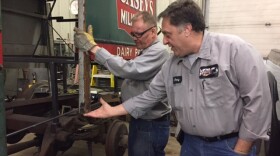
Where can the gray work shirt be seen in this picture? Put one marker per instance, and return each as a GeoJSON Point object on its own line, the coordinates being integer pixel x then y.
{"type": "Point", "coordinates": [225, 90]}
{"type": "Point", "coordinates": [138, 73]}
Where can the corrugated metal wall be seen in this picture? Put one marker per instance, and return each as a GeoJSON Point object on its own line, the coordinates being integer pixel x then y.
{"type": "Point", "coordinates": [255, 21]}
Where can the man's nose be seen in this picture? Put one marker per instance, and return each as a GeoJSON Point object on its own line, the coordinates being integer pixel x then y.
{"type": "Point", "coordinates": [134, 38]}
{"type": "Point", "coordinates": [165, 41]}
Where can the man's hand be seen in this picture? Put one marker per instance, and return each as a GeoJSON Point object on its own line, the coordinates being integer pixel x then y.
{"type": "Point", "coordinates": [83, 40]}
{"type": "Point", "coordinates": [106, 111]}
{"type": "Point", "coordinates": [102, 112]}
{"type": "Point", "coordinates": [243, 147]}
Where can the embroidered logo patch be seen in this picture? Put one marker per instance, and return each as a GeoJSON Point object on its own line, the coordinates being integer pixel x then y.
{"type": "Point", "coordinates": [209, 71]}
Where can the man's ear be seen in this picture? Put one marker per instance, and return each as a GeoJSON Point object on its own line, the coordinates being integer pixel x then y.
{"type": "Point", "coordinates": [154, 30]}
{"type": "Point", "coordinates": [188, 29]}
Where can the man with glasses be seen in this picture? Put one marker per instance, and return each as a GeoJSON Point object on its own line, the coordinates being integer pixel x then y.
{"type": "Point", "coordinates": [149, 134]}
{"type": "Point", "coordinates": [216, 84]}
{"type": "Point", "coordinates": [139, 35]}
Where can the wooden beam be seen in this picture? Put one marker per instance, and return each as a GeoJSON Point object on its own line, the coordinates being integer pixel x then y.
{"type": "Point", "coordinates": [84, 65]}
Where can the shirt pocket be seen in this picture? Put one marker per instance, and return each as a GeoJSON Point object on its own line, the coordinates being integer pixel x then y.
{"type": "Point", "coordinates": [214, 92]}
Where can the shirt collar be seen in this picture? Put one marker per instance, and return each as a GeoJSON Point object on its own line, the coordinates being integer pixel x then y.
{"type": "Point", "coordinates": [143, 50]}
{"type": "Point", "coordinates": [155, 41]}
{"type": "Point", "coordinates": [204, 51]}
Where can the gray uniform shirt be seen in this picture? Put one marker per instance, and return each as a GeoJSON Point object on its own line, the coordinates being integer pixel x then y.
{"type": "Point", "coordinates": [138, 73]}
{"type": "Point", "coordinates": [225, 90]}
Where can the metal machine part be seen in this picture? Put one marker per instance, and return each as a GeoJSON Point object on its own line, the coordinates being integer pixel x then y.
{"type": "Point", "coordinates": [37, 107]}
{"type": "Point", "coordinates": [116, 139]}
{"type": "Point", "coordinates": [71, 126]}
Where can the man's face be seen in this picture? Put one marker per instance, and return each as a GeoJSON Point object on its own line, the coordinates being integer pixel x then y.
{"type": "Point", "coordinates": [175, 38]}
{"type": "Point", "coordinates": [142, 34]}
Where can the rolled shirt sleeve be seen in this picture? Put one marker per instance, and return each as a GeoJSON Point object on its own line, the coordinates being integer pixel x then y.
{"type": "Point", "coordinates": [255, 92]}
{"type": "Point", "coordinates": [142, 67]}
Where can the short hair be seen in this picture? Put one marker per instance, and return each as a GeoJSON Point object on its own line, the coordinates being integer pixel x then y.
{"type": "Point", "coordinates": [146, 17]}
{"type": "Point", "coordinates": [182, 12]}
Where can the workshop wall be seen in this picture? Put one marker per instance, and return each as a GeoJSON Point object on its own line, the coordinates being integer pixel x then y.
{"type": "Point", "coordinates": [255, 21]}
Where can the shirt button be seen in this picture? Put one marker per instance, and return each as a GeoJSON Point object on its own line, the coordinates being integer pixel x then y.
{"type": "Point", "coordinates": [193, 126]}
{"type": "Point", "coordinates": [191, 90]}
{"type": "Point", "coordinates": [191, 108]}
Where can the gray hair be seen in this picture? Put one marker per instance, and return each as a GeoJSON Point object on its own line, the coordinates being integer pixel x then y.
{"type": "Point", "coordinates": [183, 12]}
{"type": "Point", "coordinates": [146, 17]}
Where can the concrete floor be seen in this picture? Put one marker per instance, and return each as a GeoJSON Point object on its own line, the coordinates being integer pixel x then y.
{"type": "Point", "coordinates": [79, 148]}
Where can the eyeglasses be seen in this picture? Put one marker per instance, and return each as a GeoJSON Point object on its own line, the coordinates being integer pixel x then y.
{"type": "Point", "coordinates": [139, 35]}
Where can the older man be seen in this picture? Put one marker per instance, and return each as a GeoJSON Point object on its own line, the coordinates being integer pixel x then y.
{"type": "Point", "coordinates": [148, 135]}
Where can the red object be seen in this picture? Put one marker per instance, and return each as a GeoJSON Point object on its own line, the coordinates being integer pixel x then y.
{"type": "Point", "coordinates": [128, 8]}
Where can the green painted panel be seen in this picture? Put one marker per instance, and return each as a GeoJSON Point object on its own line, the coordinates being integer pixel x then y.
{"type": "Point", "coordinates": [102, 15]}
{"type": "Point", "coordinates": [3, 142]}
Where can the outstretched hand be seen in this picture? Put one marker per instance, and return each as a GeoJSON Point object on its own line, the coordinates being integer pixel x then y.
{"type": "Point", "coordinates": [106, 111]}
{"type": "Point", "coordinates": [102, 112]}
{"type": "Point", "coordinates": [84, 40]}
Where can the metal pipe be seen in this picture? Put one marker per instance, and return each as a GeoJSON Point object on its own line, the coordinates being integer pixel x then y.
{"type": "Point", "coordinates": [50, 13]}
{"type": "Point", "coordinates": [61, 38]}
{"type": "Point", "coordinates": [54, 89]}
{"type": "Point", "coordinates": [46, 21]}
{"type": "Point", "coordinates": [92, 107]}
{"type": "Point", "coordinates": [39, 59]}
{"type": "Point", "coordinates": [36, 46]}
{"type": "Point", "coordinates": [40, 123]}
{"type": "Point", "coordinates": [36, 101]}
{"type": "Point", "coordinates": [64, 78]}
